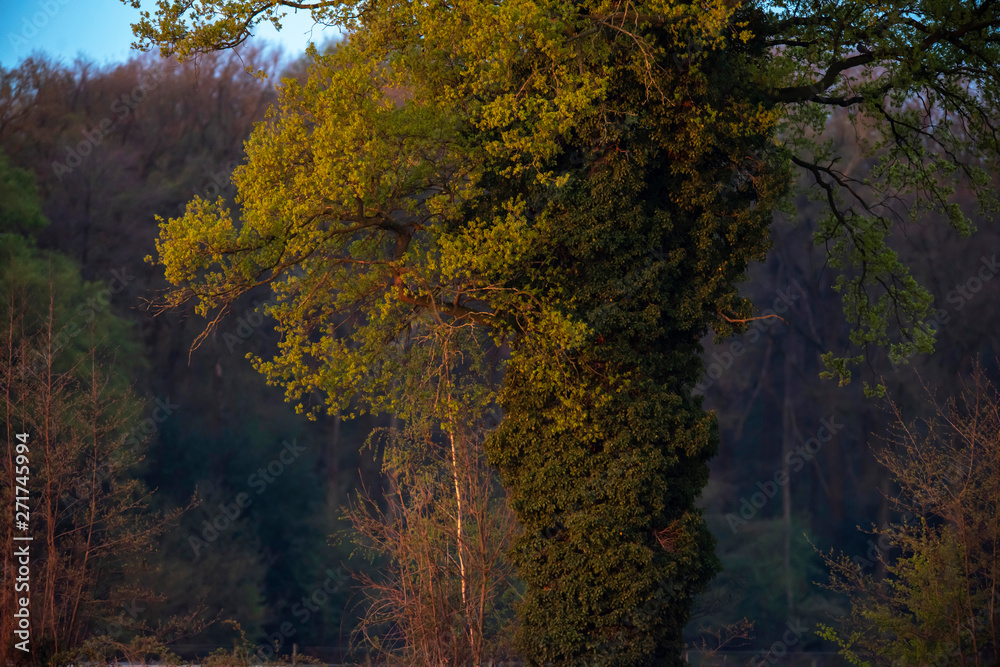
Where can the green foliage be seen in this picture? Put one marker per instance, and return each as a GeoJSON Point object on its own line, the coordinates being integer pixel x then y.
{"type": "Point", "coordinates": [336, 257]}
{"type": "Point", "coordinates": [590, 183]}
{"type": "Point", "coordinates": [918, 83]}
{"type": "Point", "coordinates": [20, 206]}
{"type": "Point", "coordinates": [915, 616]}
{"type": "Point", "coordinates": [602, 447]}
{"type": "Point", "coordinates": [50, 282]}
{"type": "Point", "coordinates": [82, 315]}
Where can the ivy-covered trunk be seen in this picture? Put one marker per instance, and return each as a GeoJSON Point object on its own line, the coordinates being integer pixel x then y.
{"type": "Point", "coordinates": [612, 549]}
{"type": "Point", "coordinates": [603, 448]}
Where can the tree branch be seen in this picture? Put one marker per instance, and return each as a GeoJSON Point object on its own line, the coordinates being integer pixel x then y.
{"type": "Point", "coordinates": [806, 92]}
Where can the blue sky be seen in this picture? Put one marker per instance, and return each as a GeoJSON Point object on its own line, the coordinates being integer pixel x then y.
{"type": "Point", "coordinates": [100, 30]}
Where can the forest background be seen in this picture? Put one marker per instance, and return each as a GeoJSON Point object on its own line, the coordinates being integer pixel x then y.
{"type": "Point", "coordinates": [166, 132]}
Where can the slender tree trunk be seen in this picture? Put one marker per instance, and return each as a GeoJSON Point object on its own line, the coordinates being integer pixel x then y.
{"type": "Point", "coordinates": [459, 509]}
{"type": "Point", "coordinates": [460, 538]}
{"type": "Point", "coordinates": [792, 342]}
{"type": "Point", "coordinates": [331, 468]}
{"type": "Point", "coordinates": [885, 484]}
{"type": "Point", "coordinates": [95, 434]}
{"type": "Point", "coordinates": [48, 438]}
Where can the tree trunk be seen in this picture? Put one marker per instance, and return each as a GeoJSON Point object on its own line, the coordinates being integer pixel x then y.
{"type": "Point", "coordinates": [792, 360]}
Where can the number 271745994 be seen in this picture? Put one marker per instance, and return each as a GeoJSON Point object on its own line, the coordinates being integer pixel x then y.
{"type": "Point", "coordinates": [21, 479]}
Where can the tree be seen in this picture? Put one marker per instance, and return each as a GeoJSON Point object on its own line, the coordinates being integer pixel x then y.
{"type": "Point", "coordinates": [182, 137]}
{"type": "Point", "coordinates": [938, 603]}
{"type": "Point", "coordinates": [66, 418]}
{"type": "Point", "coordinates": [442, 594]}
{"type": "Point", "coordinates": [589, 182]}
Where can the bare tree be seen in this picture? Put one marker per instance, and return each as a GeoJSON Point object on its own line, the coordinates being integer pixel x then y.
{"type": "Point", "coordinates": [939, 601]}
{"type": "Point", "coordinates": [445, 526]}
{"type": "Point", "coordinates": [87, 519]}
{"type": "Point", "coordinates": [443, 533]}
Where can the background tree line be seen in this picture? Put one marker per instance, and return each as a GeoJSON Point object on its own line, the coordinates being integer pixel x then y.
{"type": "Point", "coordinates": [183, 135]}
{"type": "Point", "coordinates": [178, 130]}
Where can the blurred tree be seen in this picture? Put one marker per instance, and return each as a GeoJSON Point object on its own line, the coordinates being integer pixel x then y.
{"type": "Point", "coordinates": [86, 510]}
{"type": "Point", "coordinates": [20, 208]}
{"type": "Point", "coordinates": [747, 383]}
{"type": "Point", "coordinates": [938, 603]}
